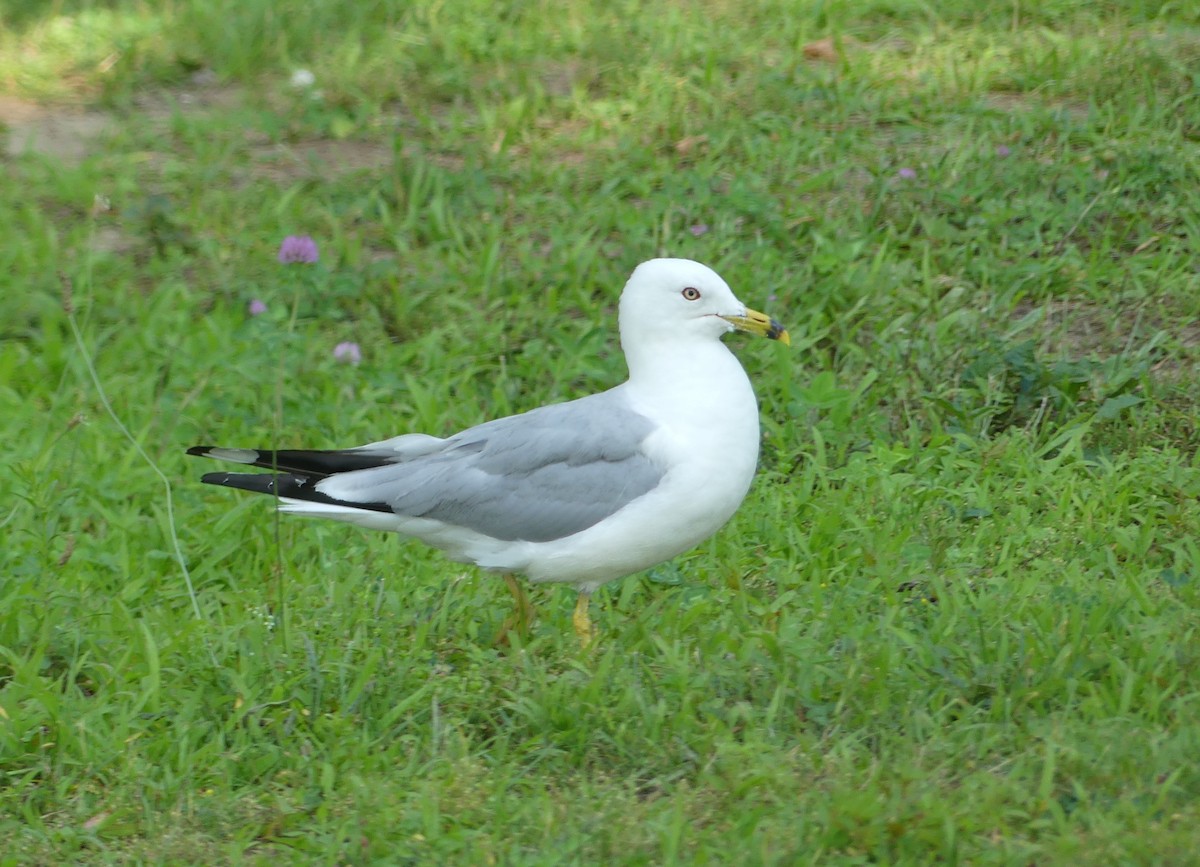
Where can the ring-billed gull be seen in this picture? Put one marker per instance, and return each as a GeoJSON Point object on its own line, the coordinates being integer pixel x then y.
{"type": "Point", "coordinates": [582, 492]}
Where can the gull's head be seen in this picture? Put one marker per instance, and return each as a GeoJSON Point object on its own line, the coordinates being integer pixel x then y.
{"type": "Point", "coordinates": [679, 298]}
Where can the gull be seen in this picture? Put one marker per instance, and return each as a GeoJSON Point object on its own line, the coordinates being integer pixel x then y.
{"type": "Point", "coordinates": [583, 492]}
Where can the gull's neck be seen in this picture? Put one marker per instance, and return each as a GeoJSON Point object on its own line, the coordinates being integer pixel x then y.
{"type": "Point", "coordinates": [694, 379]}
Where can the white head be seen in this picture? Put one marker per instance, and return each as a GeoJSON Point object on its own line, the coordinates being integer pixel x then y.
{"type": "Point", "coordinates": [678, 300]}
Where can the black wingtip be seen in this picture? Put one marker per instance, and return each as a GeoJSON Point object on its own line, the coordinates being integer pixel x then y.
{"type": "Point", "coordinates": [292, 486]}
{"type": "Point", "coordinates": [317, 463]}
{"type": "Point", "coordinates": [259, 483]}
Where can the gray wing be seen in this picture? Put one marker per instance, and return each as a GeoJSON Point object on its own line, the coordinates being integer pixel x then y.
{"type": "Point", "coordinates": [535, 477]}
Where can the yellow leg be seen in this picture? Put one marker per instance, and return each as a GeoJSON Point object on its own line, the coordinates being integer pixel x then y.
{"type": "Point", "coordinates": [525, 609]}
{"type": "Point", "coordinates": [583, 623]}
{"type": "Point", "coordinates": [522, 617]}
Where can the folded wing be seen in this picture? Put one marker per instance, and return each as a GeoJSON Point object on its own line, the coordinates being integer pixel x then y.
{"type": "Point", "coordinates": [535, 477]}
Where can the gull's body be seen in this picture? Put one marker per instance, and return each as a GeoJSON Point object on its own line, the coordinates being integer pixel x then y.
{"type": "Point", "coordinates": [582, 492]}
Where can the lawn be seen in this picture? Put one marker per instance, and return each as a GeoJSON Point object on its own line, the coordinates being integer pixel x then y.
{"type": "Point", "coordinates": [955, 620]}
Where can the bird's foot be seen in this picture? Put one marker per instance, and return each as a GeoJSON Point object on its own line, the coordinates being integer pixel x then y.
{"type": "Point", "coordinates": [583, 622]}
{"type": "Point", "coordinates": [522, 618]}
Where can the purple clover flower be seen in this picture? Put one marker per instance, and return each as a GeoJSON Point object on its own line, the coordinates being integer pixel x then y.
{"type": "Point", "coordinates": [298, 248]}
{"type": "Point", "coordinates": [1003, 150]}
{"type": "Point", "coordinates": [347, 351]}
{"type": "Point", "coordinates": [906, 173]}
{"type": "Point", "coordinates": [699, 229]}
{"type": "Point", "coordinates": [257, 307]}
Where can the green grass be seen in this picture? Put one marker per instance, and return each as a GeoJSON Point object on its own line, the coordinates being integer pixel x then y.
{"type": "Point", "coordinates": [955, 620]}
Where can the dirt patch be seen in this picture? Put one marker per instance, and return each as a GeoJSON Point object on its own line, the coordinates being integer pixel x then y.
{"type": "Point", "coordinates": [109, 240]}
{"type": "Point", "coordinates": [202, 93]}
{"type": "Point", "coordinates": [1075, 328]}
{"type": "Point", "coordinates": [1011, 102]}
{"type": "Point", "coordinates": [64, 134]}
{"type": "Point", "coordinates": [69, 134]}
{"type": "Point", "coordinates": [1082, 329]}
{"type": "Point", "coordinates": [560, 78]}
{"type": "Point", "coordinates": [318, 159]}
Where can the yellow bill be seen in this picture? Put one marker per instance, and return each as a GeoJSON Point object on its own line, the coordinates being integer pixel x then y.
{"type": "Point", "coordinates": [760, 324]}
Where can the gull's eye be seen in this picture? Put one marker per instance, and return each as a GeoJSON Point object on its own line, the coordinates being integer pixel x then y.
{"type": "Point", "coordinates": [691, 293]}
